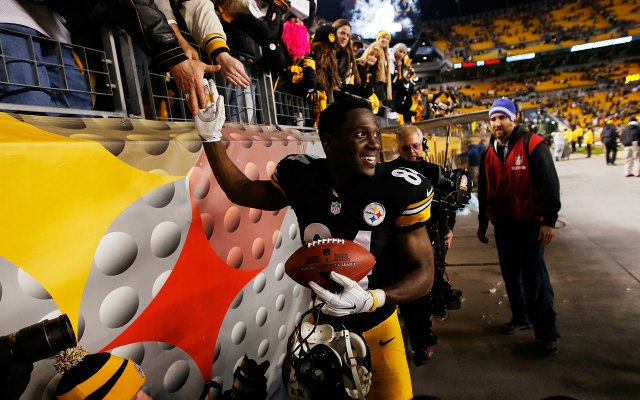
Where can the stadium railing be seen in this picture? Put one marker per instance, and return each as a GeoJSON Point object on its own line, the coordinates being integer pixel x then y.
{"type": "Point", "coordinates": [123, 86]}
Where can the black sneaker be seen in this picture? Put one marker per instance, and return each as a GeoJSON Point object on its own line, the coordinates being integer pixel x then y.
{"type": "Point", "coordinates": [421, 356]}
{"type": "Point", "coordinates": [548, 347]}
{"type": "Point", "coordinates": [511, 328]}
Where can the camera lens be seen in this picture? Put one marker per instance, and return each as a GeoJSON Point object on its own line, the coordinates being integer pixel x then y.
{"type": "Point", "coordinates": [40, 340]}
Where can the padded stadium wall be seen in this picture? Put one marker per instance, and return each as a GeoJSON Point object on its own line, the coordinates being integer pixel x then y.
{"type": "Point", "coordinates": [121, 225]}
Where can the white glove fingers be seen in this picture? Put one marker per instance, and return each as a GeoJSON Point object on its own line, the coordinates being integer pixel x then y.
{"type": "Point", "coordinates": [326, 296]}
{"type": "Point", "coordinates": [341, 279]}
{"type": "Point", "coordinates": [220, 106]}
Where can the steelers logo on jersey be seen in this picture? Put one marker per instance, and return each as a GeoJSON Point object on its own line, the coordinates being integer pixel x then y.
{"type": "Point", "coordinates": [374, 214]}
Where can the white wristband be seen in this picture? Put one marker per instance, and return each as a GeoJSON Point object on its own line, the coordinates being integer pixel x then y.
{"type": "Point", "coordinates": [215, 137]}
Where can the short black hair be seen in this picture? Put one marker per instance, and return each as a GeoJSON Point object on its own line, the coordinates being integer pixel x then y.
{"type": "Point", "coordinates": [332, 117]}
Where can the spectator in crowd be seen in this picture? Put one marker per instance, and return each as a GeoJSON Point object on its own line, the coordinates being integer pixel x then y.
{"type": "Point", "coordinates": [573, 135]}
{"type": "Point", "coordinates": [357, 45]}
{"type": "Point", "coordinates": [559, 142]}
{"type": "Point", "coordinates": [588, 141]}
{"type": "Point", "coordinates": [417, 106]}
{"type": "Point", "coordinates": [382, 82]}
{"type": "Point", "coordinates": [148, 27]}
{"type": "Point", "coordinates": [204, 26]}
{"type": "Point", "coordinates": [431, 99]}
{"type": "Point", "coordinates": [610, 140]}
{"type": "Point", "coordinates": [98, 376]}
{"type": "Point", "coordinates": [367, 67]}
{"type": "Point", "coordinates": [631, 142]}
{"type": "Point", "coordinates": [403, 89]}
{"type": "Point", "coordinates": [299, 76]}
{"type": "Point", "coordinates": [347, 67]}
{"type": "Point", "coordinates": [323, 48]}
{"type": "Point", "coordinates": [519, 192]}
{"type": "Point", "coordinates": [55, 87]}
{"type": "Point", "coordinates": [250, 25]}
{"type": "Point", "coordinates": [323, 51]}
{"type": "Point", "coordinates": [417, 314]}
{"type": "Point", "coordinates": [399, 61]}
{"type": "Point", "coordinates": [443, 108]}
{"type": "Point", "coordinates": [350, 177]}
{"type": "Point", "coordinates": [568, 136]}
{"type": "Point", "coordinates": [579, 134]}
{"type": "Point", "coordinates": [473, 159]}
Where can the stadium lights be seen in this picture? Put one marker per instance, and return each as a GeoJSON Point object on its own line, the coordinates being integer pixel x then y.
{"type": "Point", "coordinates": [520, 57]}
{"type": "Point", "coordinates": [601, 43]}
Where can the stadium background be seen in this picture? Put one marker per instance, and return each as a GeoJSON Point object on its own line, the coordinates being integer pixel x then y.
{"type": "Point", "coordinates": [140, 255]}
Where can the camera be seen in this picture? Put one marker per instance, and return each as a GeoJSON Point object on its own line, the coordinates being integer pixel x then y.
{"type": "Point", "coordinates": [452, 191]}
{"type": "Point", "coordinates": [36, 342]}
{"type": "Point", "coordinates": [249, 382]}
{"type": "Point", "coordinates": [19, 350]}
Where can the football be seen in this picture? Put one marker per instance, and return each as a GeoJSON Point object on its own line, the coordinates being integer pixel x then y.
{"type": "Point", "coordinates": [314, 261]}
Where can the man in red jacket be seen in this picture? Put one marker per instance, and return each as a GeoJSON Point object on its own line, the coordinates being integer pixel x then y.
{"type": "Point", "coordinates": [519, 193]}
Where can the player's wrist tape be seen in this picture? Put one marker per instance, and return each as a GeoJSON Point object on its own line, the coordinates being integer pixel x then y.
{"type": "Point", "coordinates": [379, 298]}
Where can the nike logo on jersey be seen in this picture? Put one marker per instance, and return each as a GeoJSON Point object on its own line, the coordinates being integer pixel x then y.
{"type": "Point", "coordinates": [386, 342]}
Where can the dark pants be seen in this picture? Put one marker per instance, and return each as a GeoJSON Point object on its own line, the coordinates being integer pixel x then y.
{"type": "Point", "coordinates": [611, 150]}
{"type": "Point", "coordinates": [417, 322]}
{"type": "Point", "coordinates": [588, 150]}
{"type": "Point", "coordinates": [526, 278]}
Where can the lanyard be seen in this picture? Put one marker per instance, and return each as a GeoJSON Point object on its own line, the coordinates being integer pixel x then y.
{"type": "Point", "coordinates": [504, 153]}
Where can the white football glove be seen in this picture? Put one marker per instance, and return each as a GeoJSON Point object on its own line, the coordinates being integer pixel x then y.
{"type": "Point", "coordinates": [210, 120]}
{"type": "Point", "coordinates": [351, 300]}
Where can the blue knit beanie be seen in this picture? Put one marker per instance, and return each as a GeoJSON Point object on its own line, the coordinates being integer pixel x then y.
{"type": "Point", "coordinates": [503, 106]}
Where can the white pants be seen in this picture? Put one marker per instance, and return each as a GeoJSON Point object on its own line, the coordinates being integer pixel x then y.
{"type": "Point", "coordinates": [559, 149]}
{"type": "Point", "coordinates": [632, 163]}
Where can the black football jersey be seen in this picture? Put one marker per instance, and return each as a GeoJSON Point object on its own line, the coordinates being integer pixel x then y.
{"type": "Point", "coordinates": [370, 212]}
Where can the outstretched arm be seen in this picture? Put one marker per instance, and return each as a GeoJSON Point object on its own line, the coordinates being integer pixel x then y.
{"type": "Point", "coordinates": [238, 188]}
{"type": "Point", "coordinates": [205, 27]}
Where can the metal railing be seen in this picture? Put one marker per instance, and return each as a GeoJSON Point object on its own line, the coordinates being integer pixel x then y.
{"type": "Point", "coordinates": [121, 84]}
{"type": "Point", "coordinates": [51, 80]}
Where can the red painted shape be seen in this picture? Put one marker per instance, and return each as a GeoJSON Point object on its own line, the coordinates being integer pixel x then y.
{"type": "Point", "coordinates": [189, 309]}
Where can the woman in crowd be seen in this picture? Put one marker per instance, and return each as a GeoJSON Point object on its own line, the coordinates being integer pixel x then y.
{"type": "Point", "coordinates": [367, 65]}
{"type": "Point", "coordinates": [382, 78]}
{"type": "Point", "coordinates": [347, 67]}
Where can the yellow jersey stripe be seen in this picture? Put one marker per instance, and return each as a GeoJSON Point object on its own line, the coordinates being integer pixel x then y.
{"type": "Point", "coordinates": [412, 219]}
{"type": "Point", "coordinates": [418, 207]}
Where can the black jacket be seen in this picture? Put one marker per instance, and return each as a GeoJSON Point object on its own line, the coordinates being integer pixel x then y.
{"type": "Point", "coordinates": [609, 134]}
{"type": "Point", "coordinates": [631, 134]}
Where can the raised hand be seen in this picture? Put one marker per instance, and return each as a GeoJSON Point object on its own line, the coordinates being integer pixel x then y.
{"type": "Point", "coordinates": [210, 120]}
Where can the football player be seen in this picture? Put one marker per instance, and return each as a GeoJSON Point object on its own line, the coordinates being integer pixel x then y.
{"type": "Point", "coordinates": [348, 195]}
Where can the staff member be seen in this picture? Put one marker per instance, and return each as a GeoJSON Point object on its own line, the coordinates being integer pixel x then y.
{"type": "Point", "coordinates": [519, 192]}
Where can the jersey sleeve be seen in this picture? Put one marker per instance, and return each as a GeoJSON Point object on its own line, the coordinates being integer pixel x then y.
{"type": "Point", "coordinates": [415, 194]}
{"type": "Point", "coordinates": [289, 171]}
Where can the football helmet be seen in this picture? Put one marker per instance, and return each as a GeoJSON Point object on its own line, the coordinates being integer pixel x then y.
{"type": "Point", "coordinates": [324, 363]}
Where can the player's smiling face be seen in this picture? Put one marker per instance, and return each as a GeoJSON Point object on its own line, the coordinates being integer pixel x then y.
{"type": "Point", "coordinates": [354, 150]}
